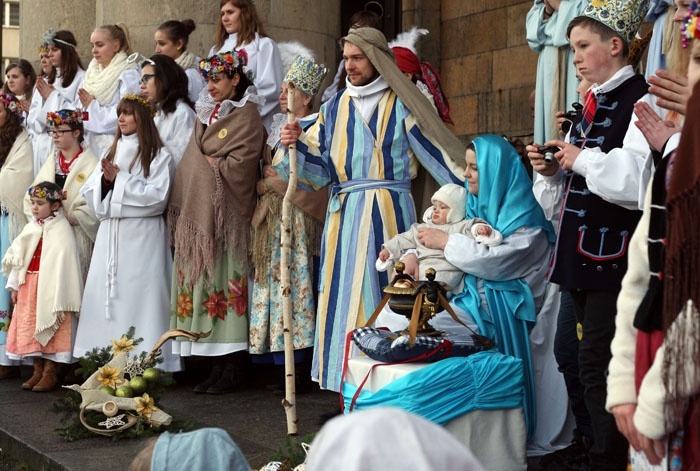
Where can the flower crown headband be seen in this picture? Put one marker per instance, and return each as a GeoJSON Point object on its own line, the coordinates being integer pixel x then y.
{"type": "Point", "coordinates": [56, 118]}
{"type": "Point", "coordinates": [141, 101]}
{"type": "Point", "coordinates": [50, 39]}
{"type": "Point", "coordinates": [38, 191]}
{"type": "Point", "coordinates": [229, 62]}
{"type": "Point", "coordinates": [11, 103]}
{"type": "Point", "coordinates": [689, 30]}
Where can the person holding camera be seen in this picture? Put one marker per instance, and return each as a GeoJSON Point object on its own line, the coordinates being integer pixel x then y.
{"type": "Point", "coordinates": [596, 221]}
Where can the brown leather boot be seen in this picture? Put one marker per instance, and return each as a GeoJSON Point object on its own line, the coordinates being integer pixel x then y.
{"type": "Point", "coordinates": [36, 377]}
{"type": "Point", "coordinates": [49, 380]}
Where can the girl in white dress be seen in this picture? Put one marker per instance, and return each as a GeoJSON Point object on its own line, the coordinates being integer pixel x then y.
{"type": "Point", "coordinates": [109, 77]}
{"type": "Point", "coordinates": [240, 28]}
{"type": "Point", "coordinates": [164, 83]}
{"type": "Point", "coordinates": [56, 92]}
{"type": "Point", "coordinates": [128, 283]}
{"type": "Point", "coordinates": [20, 82]}
{"type": "Point", "coordinates": [171, 39]}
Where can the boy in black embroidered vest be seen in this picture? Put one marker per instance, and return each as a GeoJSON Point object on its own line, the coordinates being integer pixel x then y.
{"type": "Point", "coordinates": [591, 251]}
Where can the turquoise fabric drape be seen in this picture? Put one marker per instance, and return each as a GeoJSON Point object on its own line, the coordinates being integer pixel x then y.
{"type": "Point", "coordinates": [450, 388]}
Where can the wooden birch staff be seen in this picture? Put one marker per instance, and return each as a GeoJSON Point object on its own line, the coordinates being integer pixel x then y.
{"type": "Point", "coordinates": [289, 401]}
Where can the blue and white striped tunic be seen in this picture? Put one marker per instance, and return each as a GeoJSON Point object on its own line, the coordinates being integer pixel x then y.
{"type": "Point", "coordinates": [370, 166]}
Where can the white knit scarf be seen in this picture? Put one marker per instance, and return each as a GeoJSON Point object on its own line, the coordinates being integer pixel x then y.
{"type": "Point", "coordinates": [102, 82]}
{"type": "Point", "coordinates": [187, 60]}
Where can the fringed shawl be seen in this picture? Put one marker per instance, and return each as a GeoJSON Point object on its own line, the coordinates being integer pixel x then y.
{"type": "Point", "coordinates": [210, 208]}
{"type": "Point", "coordinates": [268, 215]}
{"type": "Point", "coordinates": [16, 176]}
{"type": "Point", "coordinates": [683, 262]}
{"type": "Point", "coordinates": [60, 284]}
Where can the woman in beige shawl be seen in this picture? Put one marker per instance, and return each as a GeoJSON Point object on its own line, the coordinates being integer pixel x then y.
{"type": "Point", "coordinates": [209, 214]}
{"type": "Point", "coordinates": [16, 174]}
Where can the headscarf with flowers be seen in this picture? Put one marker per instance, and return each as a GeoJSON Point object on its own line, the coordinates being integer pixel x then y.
{"type": "Point", "coordinates": [11, 104]}
{"type": "Point", "coordinates": [689, 29]}
{"type": "Point", "coordinates": [228, 63]}
{"type": "Point", "coordinates": [70, 117]}
{"type": "Point", "coordinates": [40, 191]}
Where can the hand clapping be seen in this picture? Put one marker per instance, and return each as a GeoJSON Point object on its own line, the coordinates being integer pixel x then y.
{"type": "Point", "coordinates": [85, 97]}
{"type": "Point", "coordinates": [656, 131]}
{"type": "Point", "coordinates": [43, 88]}
{"type": "Point", "coordinates": [109, 170]}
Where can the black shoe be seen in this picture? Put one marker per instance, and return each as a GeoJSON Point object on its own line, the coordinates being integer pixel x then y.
{"type": "Point", "coordinates": [230, 380]}
{"type": "Point", "coordinates": [216, 371]}
{"type": "Point", "coordinates": [574, 457]}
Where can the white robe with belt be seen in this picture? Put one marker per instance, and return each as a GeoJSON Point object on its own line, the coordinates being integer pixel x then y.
{"type": "Point", "coordinates": [128, 283]}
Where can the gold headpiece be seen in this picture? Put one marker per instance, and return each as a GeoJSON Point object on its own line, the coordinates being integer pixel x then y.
{"type": "Point", "coordinates": [141, 101]}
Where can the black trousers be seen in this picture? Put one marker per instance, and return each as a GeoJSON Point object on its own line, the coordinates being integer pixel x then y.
{"type": "Point", "coordinates": [596, 310]}
{"type": "Point", "coordinates": [566, 353]}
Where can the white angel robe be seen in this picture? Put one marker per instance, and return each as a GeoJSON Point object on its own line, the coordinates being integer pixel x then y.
{"type": "Point", "coordinates": [61, 98]}
{"type": "Point", "coordinates": [175, 129]}
{"type": "Point", "coordinates": [128, 283]}
{"type": "Point", "coordinates": [195, 83]}
{"type": "Point", "coordinates": [265, 61]}
{"type": "Point", "coordinates": [101, 125]}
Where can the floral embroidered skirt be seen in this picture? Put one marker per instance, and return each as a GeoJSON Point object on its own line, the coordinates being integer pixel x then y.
{"type": "Point", "coordinates": [266, 314]}
{"type": "Point", "coordinates": [218, 306]}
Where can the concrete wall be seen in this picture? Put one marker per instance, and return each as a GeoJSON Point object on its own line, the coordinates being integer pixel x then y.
{"type": "Point", "coordinates": [479, 46]}
{"type": "Point", "coordinates": [486, 66]}
{"type": "Point", "coordinates": [315, 23]}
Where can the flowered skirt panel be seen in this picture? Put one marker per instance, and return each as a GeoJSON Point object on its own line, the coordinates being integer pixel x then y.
{"type": "Point", "coordinates": [219, 305]}
{"type": "Point", "coordinates": [4, 294]}
{"type": "Point", "coordinates": [20, 337]}
{"type": "Point", "coordinates": [266, 314]}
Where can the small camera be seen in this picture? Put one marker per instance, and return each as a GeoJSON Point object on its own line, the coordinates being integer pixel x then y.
{"type": "Point", "coordinates": [548, 152]}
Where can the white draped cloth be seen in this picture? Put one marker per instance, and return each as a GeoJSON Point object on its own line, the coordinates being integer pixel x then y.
{"type": "Point", "coordinates": [128, 283]}
{"type": "Point", "coordinates": [59, 99]}
{"type": "Point", "coordinates": [175, 129]}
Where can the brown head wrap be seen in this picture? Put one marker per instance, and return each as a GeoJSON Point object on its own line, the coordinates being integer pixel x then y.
{"type": "Point", "coordinates": [373, 43]}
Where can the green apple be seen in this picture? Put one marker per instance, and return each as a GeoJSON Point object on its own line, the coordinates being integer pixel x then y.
{"type": "Point", "coordinates": [151, 374]}
{"type": "Point", "coordinates": [108, 389]}
{"type": "Point", "coordinates": [124, 391]}
{"type": "Point", "coordinates": [138, 384]}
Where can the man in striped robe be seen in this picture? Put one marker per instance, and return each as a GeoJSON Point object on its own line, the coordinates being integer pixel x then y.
{"type": "Point", "coordinates": [367, 142]}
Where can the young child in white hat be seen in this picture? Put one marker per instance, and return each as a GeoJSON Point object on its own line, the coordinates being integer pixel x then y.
{"type": "Point", "coordinates": [448, 214]}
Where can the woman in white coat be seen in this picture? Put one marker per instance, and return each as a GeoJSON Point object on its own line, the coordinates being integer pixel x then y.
{"type": "Point", "coordinates": [164, 83]}
{"type": "Point", "coordinates": [240, 28]}
{"type": "Point", "coordinates": [110, 76]}
{"type": "Point", "coordinates": [58, 91]}
{"type": "Point", "coordinates": [171, 39]}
